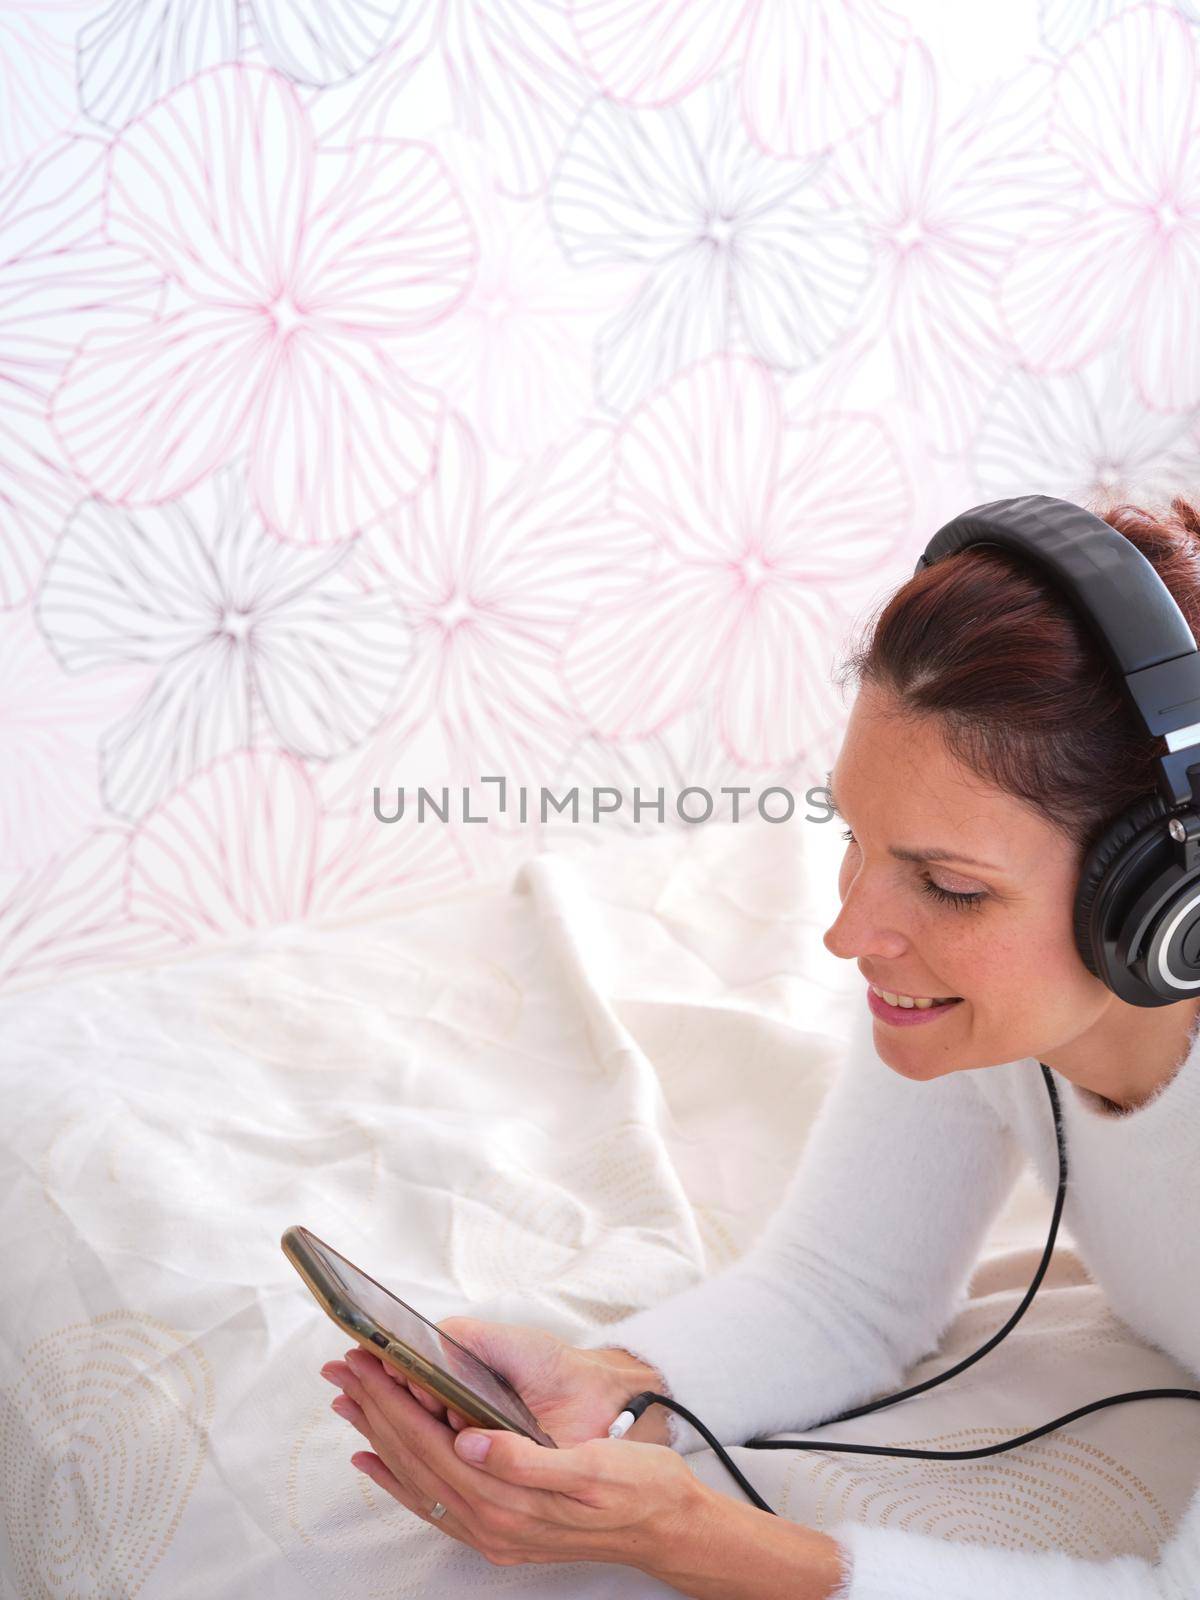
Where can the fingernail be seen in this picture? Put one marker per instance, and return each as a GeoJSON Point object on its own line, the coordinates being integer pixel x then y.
{"type": "Point", "coordinates": [338, 1405]}
{"type": "Point", "coordinates": [327, 1374]}
{"type": "Point", "coordinates": [474, 1446]}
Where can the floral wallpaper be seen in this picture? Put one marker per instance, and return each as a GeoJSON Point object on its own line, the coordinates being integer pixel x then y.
{"type": "Point", "coordinates": [492, 395]}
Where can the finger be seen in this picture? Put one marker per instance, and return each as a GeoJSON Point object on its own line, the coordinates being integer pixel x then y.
{"type": "Point", "coordinates": [431, 1403]}
{"type": "Point", "coordinates": [413, 1445]}
{"type": "Point", "coordinates": [356, 1417]}
{"type": "Point", "coordinates": [409, 1433]}
{"type": "Point", "coordinates": [379, 1472]}
{"type": "Point", "coordinates": [386, 1370]}
{"type": "Point", "coordinates": [365, 1368]}
{"type": "Point", "coordinates": [350, 1412]}
{"type": "Point", "coordinates": [576, 1470]}
{"type": "Point", "coordinates": [341, 1374]}
{"type": "Point", "coordinates": [401, 1487]}
{"type": "Point", "coordinates": [420, 1448]}
{"type": "Point", "coordinates": [375, 1468]}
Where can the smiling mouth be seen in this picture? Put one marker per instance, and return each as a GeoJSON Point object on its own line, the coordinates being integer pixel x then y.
{"type": "Point", "coordinates": [909, 1003]}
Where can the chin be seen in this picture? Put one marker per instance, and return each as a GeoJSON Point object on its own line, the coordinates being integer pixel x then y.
{"type": "Point", "coordinates": [911, 1063]}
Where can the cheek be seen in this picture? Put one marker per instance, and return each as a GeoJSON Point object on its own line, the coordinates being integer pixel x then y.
{"type": "Point", "coordinates": [1014, 977]}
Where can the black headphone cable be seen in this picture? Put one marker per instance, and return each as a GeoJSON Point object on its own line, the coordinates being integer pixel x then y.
{"type": "Point", "coordinates": [638, 1403]}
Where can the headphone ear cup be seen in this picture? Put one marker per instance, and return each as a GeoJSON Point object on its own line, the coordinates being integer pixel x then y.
{"type": "Point", "coordinates": [1107, 849]}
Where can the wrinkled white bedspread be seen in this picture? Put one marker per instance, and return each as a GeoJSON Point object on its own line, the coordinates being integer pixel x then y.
{"type": "Point", "coordinates": [551, 1098]}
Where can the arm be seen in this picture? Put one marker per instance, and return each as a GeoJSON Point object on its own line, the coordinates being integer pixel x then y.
{"type": "Point", "coordinates": [890, 1564]}
{"type": "Point", "coordinates": [855, 1276]}
{"type": "Point", "coordinates": [734, 1551]}
{"type": "Point", "coordinates": [737, 1552]}
{"type": "Point", "coordinates": [868, 1222]}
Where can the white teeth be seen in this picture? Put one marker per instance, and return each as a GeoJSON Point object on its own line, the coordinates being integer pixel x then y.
{"type": "Point", "coordinates": [905, 1001]}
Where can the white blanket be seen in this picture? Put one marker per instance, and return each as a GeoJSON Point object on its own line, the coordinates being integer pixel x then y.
{"type": "Point", "coordinates": [548, 1099]}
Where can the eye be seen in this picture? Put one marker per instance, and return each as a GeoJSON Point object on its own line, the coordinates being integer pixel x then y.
{"type": "Point", "coordinates": [953, 897]}
{"type": "Point", "coordinates": [950, 897]}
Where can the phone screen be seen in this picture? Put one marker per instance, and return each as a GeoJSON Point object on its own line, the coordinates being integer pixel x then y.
{"type": "Point", "coordinates": [409, 1327]}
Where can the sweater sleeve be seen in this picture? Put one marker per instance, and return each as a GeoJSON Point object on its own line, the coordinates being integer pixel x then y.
{"type": "Point", "coordinates": [890, 1564]}
{"type": "Point", "coordinates": [855, 1276]}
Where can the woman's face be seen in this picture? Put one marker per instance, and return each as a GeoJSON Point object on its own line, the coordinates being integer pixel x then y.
{"type": "Point", "coordinates": [991, 923]}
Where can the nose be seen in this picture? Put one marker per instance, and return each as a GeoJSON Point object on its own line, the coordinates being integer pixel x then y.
{"type": "Point", "coordinates": [859, 930]}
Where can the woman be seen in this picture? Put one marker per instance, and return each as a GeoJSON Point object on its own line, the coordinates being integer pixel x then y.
{"type": "Point", "coordinates": [988, 746]}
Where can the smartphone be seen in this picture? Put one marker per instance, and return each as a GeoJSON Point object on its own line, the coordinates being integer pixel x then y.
{"type": "Point", "coordinates": [415, 1347]}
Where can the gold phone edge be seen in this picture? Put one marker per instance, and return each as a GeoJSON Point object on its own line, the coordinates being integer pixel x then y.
{"type": "Point", "coordinates": [462, 1399]}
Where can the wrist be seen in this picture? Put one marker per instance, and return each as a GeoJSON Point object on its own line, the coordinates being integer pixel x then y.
{"type": "Point", "coordinates": [629, 1375]}
{"type": "Point", "coordinates": [729, 1550]}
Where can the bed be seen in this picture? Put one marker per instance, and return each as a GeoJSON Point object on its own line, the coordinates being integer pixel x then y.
{"type": "Point", "coordinates": [550, 1097]}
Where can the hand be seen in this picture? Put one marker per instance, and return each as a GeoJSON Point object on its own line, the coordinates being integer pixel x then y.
{"type": "Point", "coordinates": [573, 1393]}
{"type": "Point", "coordinates": [614, 1500]}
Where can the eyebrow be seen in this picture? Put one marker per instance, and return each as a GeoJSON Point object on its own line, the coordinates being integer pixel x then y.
{"type": "Point", "coordinates": [909, 853]}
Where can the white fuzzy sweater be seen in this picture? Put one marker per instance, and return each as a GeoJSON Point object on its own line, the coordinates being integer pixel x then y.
{"type": "Point", "coordinates": [866, 1261]}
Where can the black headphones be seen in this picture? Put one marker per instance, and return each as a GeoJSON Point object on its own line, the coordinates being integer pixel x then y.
{"type": "Point", "coordinates": [1137, 904]}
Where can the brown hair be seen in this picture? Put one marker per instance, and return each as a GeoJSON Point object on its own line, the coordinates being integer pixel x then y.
{"type": "Point", "coordinates": [1024, 692]}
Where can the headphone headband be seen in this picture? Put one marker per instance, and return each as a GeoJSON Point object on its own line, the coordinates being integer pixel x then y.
{"type": "Point", "coordinates": [1129, 609]}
